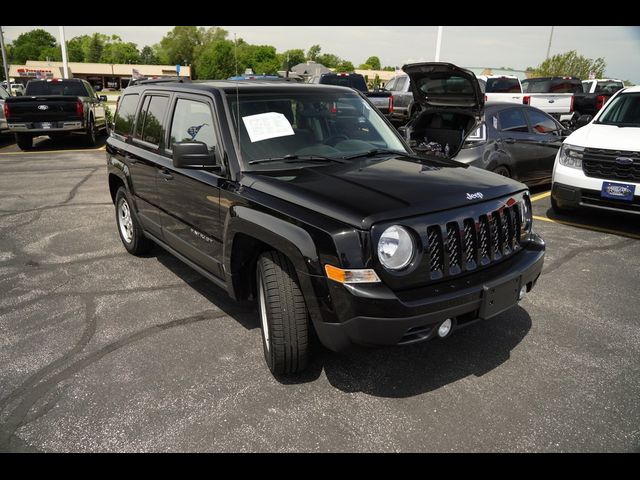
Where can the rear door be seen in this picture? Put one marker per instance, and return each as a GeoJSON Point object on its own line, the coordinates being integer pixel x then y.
{"type": "Point", "coordinates": [546, 133]}
{"type": "Point", "coordinates": [189, 199]}
{"type": "Point", "coordinates": [144, 157]}
{"type": "Point", "coordinates": [98, 107]}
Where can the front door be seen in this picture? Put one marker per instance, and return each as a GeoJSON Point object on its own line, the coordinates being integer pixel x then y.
{"type": "Point", "coordinates": [548, 136]}
{"type": "Point", "coordinates": [518, 142]}
{"type": "Point", "coordinates": [190, 198]}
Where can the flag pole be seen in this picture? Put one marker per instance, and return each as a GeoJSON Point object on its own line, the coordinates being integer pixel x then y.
{"type": "Point", "coordinates": [65, 60]}
{"type": "Point", "coordinates": [4, 61]}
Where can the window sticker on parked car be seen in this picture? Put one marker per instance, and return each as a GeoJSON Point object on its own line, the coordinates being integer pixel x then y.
{"type": "Point", "coordinates": [193, 131]}
{"type": "Point", "coordinates": [267, 125]}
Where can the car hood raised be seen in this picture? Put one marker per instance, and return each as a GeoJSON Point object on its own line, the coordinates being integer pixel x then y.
{"type": "Point", "coordinates": [368, 191]}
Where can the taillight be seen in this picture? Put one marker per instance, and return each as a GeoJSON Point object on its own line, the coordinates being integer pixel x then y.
{"type": "Point", "coordinates": [573, 98]}
{"type": "Point", "coordinates": [79, 109]}
{"type": "Point", "coordinates": [391, 104]}
{"type": "Point", "coordinates": [600, 101]}
{"type": "Point", "coordinates": [5, 109]}
{"type": "Point", "coordinates": [526, 100]}
{"type": "Point", "coordinates": [334, 108]}
{"type": "Point", "coordinates": [485, 99]}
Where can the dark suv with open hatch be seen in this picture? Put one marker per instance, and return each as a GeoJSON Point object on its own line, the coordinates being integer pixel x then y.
{"type": "Point", "coordinates": [305, 198]}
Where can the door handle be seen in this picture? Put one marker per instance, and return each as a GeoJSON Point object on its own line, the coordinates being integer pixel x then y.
{"type": "Point", "coordinates": [166, 174]}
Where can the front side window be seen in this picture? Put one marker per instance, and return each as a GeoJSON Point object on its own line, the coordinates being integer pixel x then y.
{"type": "Point", "coordinates": [512, 121]}
{"type": "Point", "coordinates": [541, 123]}
{"type": "Point", "coordinates": [401, 84]}
{"type": "Point", "coordinates": [192, 122]}
{"type": "Point", "coordinates": [390, 85]}
{"type": "Point", "coordinates": [334, 125]}
{"type": "Point", "coordinates": [126, 114]}
{"type": "Point", "coordinates": [150, 128]}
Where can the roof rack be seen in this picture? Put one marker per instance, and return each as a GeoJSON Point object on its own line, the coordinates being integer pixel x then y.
{"type": "Point", "coordinates": [146, 80]}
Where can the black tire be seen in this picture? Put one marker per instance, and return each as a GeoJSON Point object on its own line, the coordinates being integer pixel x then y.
{"type": "Point", "coordinates": [24, 141]}
{"type": "Point", "coordinates": [135, 242]}
{"type": "Point", "coordinates": [502, 170]}
{"type": "Point", "coordinates": [90, 135]}
{"type": "Point", "coordinates": [284, 319]}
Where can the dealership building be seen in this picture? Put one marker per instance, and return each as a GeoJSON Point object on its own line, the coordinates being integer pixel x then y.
{"type": "Point", "coordinates": [100, 75]}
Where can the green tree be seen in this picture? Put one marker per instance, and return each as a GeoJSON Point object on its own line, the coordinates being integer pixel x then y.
{"type": "Point", "coordinates": [628, 83]}
{"type": "Point", "coordinates": [262, 59]}
{"type": "Point", "coordinates": [148, 56]}
{"type": "Point", "coordinates": [95, 47]}
{"type": "Point", "coordinates": [329, 60]}
{"type": "Point", "coordinates": [374, 62]}
{"type": "Point", "coordinates": [389, 69]}
{"type": "Point", "coordinates": [570, 64]}
{"type": "Point", "coordinates": [180, 44]}
{"type": "Point", "coordinates": [76, 48]}
{"type": "Point", "coordinates": [52, 54]}
{"type": "Point", "coordinates": [314, 53]}
{"type": "Point", "coordinates": [216, 61]}
{"type": "Point", "coordinates": [30, 45]}
{"type": "Point", "coordinates": [345, 66]}
{"type": "Point", "coordinates": [120, 52]}
{"type": "Point", "coordinates": [294, 56]}
{"type": "Point", "coordinates": [365, 66]}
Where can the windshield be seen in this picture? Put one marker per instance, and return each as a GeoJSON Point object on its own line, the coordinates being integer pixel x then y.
{"type": "Point", "coordinates": [503, 85]}
{"type": "Point", "coordinates": [623, 111]}
{"type": "Point", "coordinates": [37, 88]}
{"type": "Point", "coordinates": [334, 125]}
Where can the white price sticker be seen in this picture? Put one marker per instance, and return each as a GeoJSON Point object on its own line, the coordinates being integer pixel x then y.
{"type": "Point", "coordinates": [267, 125]}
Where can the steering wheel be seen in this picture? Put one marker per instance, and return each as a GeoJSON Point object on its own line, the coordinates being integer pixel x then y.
{"type": "Point", "coordinates": [333, 139]}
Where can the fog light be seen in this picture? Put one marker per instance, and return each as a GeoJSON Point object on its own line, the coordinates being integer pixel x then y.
{"type": "Point", "coordinates": [522, 293]}
{"type": "Point", "coordinates": [444, 328]}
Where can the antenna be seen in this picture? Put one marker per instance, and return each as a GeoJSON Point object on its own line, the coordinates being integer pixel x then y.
{"type": "Point", "coordinates": [235, 54]}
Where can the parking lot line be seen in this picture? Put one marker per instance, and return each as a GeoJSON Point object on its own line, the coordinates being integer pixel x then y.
{"type": "Point", "coordinates": [54, 151]}
{"type": "Point", "coordinates": [535, 198]}
{"type": "Point", "coordinates": [588, 227]}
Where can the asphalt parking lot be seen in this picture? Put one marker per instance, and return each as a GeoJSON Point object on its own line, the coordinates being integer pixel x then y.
{"type": "Point", "coordinates": [103, 351]}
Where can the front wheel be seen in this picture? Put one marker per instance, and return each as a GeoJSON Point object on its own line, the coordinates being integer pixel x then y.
{"type": "Point", "coordinates": [283, 315]}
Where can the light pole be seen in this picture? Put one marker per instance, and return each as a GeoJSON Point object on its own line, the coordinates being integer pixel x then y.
{"type": "Point", "coordinates": [549, 47]}
{"type": "Point", "coordinates": [65, 60]}
{"type": "Point", "coordinates": [4, 61]}
{"type": "Point", "coordinates": [438, 44]}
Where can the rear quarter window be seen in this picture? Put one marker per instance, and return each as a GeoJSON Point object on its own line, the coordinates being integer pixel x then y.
{"type": "Point", "coordinates": [126, 114]}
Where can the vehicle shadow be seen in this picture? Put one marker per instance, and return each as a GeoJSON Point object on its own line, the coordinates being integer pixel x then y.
{"type": "Point", "coordinates": [599, 220]}
{"type": "Point", "coordinates": [394, 372]}
{"type": "Point", "coordinates": [69, 142]}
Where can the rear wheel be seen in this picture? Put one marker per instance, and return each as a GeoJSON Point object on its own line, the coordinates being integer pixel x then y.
{"type": "Point", "coordinates": [24, 141]}
{"type": "Point", "coordinates": [129, 226]}
{"type": "Point", "coordinates": [283, 315]}
{"type": "Point", "coordinates": [90, 136]}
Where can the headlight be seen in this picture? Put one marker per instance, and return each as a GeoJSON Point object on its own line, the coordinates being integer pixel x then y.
{"type": "Point", "coordinates": [571, 156]}
{"type": "Point", "coordinates": [396, 248]}
{"type": "Point", "coordinates": [526, 218]}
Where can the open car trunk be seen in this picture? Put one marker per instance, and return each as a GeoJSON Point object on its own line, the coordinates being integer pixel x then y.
{"type": "Point", "coordinates": [440, 132]}
{"type": "Point", "coordinates": [451, 104]}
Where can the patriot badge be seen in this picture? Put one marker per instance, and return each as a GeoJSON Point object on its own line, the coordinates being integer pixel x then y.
{"type": "Point", "coordinates": [193, 131]}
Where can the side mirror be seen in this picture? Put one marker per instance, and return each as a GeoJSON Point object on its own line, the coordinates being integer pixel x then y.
{"type": "Point", "coordinates": [193, 155]}
{"type": "Point", "coordinates": [103, 98]}
{"type": "Point", "coordinates": [403, 131]}
{"type": "Point", "coordinates": [583, 120]}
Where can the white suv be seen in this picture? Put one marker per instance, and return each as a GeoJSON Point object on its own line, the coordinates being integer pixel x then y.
{"type": "Point", "coordinates": [598, 165]}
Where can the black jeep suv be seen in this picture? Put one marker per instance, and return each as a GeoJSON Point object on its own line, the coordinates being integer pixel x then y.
{"type": "Point", "coordinates": [305, 198]}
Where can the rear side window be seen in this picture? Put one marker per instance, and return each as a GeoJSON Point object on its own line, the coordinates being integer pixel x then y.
{"type": "Point", "coordinates": [126, 114]}
{"type": "Point", "coordinates": [401, 83]}
{"type": "Point", "coordinates": [512, 120]}
{"type": "Point", "coordinates": [192, 121]}
{"type": "Point", "coordinates": [150, 128]}
{"type": "Point", "coordinates": [609, 87]}
{"type": "Point", "coordinates": [503, 85]}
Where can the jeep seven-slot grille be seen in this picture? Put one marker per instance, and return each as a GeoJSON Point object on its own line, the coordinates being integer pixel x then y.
{"type": "Point", "coordinates": [611, 164]}
{"type": "Point", "coordinates": [462, 246]}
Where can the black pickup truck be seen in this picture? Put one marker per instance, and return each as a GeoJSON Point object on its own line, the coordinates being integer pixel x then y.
{"type": "Point", "coordinates": [595, 93]}
{"type": "Point", "coordinates": [56, 108]}
{"type": "Point", "coordinates": [306, 199]}
{"type": "Point", "coordinates": [381, 98]}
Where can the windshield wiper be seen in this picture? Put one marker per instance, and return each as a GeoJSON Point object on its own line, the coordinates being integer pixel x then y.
{"type": "Point", "coordinates": [378, 151]}
{"type": "Point", "coordinates": [297, 158]}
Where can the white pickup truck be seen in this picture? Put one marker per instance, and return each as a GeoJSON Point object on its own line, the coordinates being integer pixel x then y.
{"type": "Point", "coordinates": [501, 89]}
{"type": "Point", "coordinates": [553, 95]}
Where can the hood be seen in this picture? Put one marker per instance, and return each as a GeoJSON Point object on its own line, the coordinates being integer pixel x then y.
{"type": "Point", "coordinates": [607, 137]}
{"type": "Point", "coordinates": [371, 190]}
{"type": "Point", "coordinates": [444, 85]}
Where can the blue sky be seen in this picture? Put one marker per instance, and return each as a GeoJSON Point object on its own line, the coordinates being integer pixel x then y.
{"type": "Point", "coordinates": [471, 46]}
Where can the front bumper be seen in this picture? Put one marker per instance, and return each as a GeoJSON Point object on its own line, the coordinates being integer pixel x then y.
{"type": "Point", "coordinates": [572, 189]}
{"type": "Point", "coordinates": [375, 315]}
